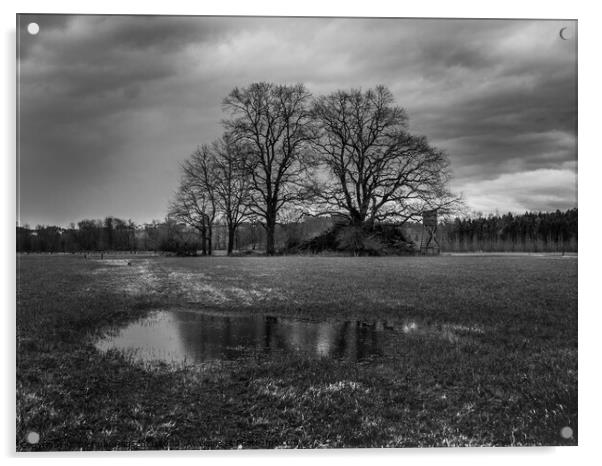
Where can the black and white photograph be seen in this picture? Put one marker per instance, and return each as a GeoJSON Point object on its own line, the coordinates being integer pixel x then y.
{"type": "Point", "coordinates": [279, 232]}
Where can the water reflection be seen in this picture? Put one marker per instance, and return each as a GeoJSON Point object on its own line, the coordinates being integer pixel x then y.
{"type": "Point", "coordinates": [185, 336]}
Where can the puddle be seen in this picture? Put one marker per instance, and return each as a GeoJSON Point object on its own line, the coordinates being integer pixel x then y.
{"type": "Point", "coordinates": [179, 336]}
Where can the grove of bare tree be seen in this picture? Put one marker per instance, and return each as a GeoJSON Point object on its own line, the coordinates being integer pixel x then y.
{"type": "Point", "coordinates": [347, 153]}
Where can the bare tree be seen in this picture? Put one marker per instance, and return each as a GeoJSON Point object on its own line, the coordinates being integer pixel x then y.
{"type": "Point", "coordinates": [231, 180]}
{"type": "Point", "coordinates": [195, 200]}
{"type": "Point", "coordinates": [189, 207]}
{"type": "Point", "coordinates": [378, 171]}
{"type": "Point", "coordinates": [274, 120]}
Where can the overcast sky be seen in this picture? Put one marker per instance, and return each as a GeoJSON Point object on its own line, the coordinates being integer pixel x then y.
{"type": "Point", "coordinates": [110, 105]}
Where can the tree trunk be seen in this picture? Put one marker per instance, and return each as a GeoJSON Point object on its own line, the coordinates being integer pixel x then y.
{"type": "Point", "coordinates": [270, 248]}
{"type": "Point", "coordinates": [203, 242]}
{"type": "Point", "coordinates": [253, 236]}
{"type": "Point", "coordinates": [209, 238]}
{"type": "Point", "coordinates": [231, 230]}
{"type": "Point", "coordinates": [368, 224]}
{"type": "Point", "coordinates": [356, 218]}
{"type": "Point", "coordinates": [270, 229]}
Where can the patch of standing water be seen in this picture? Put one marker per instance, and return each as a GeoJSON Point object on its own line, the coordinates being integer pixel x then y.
{"type": "Point", "coordinates": [180, 336]}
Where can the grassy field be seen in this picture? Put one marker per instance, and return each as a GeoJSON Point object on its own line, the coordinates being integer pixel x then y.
{"type": "Point", "coordinates": [509, 378]}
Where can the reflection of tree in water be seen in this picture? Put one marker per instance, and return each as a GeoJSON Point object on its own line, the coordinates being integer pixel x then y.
{"type": "Point", "coordinates": [214, 337]}
{"type": "Point", "coordinates": [208, 337]}
{"type": "Point", "coordinates": [357, 340]}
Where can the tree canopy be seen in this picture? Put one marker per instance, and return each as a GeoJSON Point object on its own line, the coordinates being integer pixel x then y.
{"type": "Point", "coordinates": [378, 170]}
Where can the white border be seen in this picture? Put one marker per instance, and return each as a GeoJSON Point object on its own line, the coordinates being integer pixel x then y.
{"type": "Point", "coordinates": [589, 174]}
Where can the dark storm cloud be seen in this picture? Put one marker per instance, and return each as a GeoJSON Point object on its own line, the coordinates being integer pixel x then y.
{"type": "Point", "coordinates": [110, 105]}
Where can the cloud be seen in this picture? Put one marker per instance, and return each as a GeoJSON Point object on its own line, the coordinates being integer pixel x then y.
{"type": "Point", "coordinates": [110, 104]}
{"type": "Point", "coordinates": [537, 190]}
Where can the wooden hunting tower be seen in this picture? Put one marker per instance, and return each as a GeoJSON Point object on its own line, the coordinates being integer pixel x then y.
{"type": "Point", "coordinates": [429, 245]}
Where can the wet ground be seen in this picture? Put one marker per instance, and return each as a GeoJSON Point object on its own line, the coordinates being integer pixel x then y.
{"type": "Point", "coordinates": [480, 351]}
{"type": "Point", "coordinates": [191, 337]}
{"type": "Point", "coordinates": [184, 336]}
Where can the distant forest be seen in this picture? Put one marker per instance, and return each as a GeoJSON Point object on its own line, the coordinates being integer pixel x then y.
{"type": "Point", "coordinates": [528, 232]}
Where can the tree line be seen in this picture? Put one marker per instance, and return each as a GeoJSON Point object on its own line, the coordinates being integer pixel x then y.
{"type": "Point", "coordinates": [529, 232]}
{"type": "Point", "coordinates": [114, 234]}
{"type": "Point", "coordinates": [285, 153]}
{"type": "Point", "coordinates": [88, 235]}
{"type": "Point", "coordinates": [168, 236]}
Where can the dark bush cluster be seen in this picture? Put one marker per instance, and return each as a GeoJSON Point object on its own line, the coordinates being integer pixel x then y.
{"type": "Point", "coordinates": [379, 240]}
{"type": "Point", "coordinates": [180, 248]}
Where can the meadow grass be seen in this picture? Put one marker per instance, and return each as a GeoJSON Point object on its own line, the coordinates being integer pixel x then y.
{"type": "Point", "coordinates": [509, 378]}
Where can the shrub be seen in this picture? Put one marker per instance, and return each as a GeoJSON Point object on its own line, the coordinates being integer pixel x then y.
{"type": "Point", "coordinates": [359, 241]}
{"type": "Point", "coordinates": [179, 248]}
{"type": "Point", "coordinates": [381, 239]}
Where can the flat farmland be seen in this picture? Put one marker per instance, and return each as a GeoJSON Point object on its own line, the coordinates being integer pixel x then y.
{"type": "Point", "coordinates": [463, 351]}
